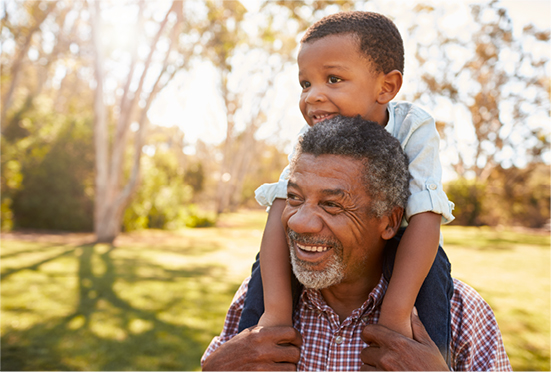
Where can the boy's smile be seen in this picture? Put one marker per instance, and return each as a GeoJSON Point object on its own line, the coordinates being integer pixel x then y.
{"type": "Point", "coordinates": [337, 79]}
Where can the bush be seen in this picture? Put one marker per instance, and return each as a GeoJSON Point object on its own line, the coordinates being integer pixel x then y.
{"type": "Point", "coordinates": [195, 218]}
{"type": "Point", "coordinates": [509, 197]}
{"type": "Point", "coordinates": [163, 199]}
{"type": "Point", "coordinates": [468, 199]}
{"type": "Point", "coordinates": [57, 184]}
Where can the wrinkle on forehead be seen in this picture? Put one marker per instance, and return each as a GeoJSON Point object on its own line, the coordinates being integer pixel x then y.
{"type": "Point", "coordinates": [329, 166]}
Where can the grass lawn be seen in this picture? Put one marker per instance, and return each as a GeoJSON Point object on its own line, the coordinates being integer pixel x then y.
{"type": "Point", "coordinates": [155, 300]}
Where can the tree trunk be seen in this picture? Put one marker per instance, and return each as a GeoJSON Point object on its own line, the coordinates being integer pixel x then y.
{"type": "Point", "coordinates": [111, 197]}
{"type": "Point", "coordinates": [103, 222]}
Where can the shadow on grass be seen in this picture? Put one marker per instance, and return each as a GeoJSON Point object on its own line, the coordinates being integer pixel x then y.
{"type": "Point", "coordinates": [107, 331]}
{"type": "Point", "coordinates": [35, 266]}
{"type": "Point", "coordinates": [27, 251]}
{"type": "Point", "coordinates": [527, 355]}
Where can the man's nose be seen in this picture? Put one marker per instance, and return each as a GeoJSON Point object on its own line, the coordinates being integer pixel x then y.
{"type": "Point", "coordinates": [315, 94]}
{"type": "Point", "coordinates": [305, 221]}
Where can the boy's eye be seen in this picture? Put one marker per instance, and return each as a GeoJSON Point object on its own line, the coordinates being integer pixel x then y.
{"type": "Point", "coordinates": [334, 79]}
{"type": "Point", "coordinates": [305, 84]}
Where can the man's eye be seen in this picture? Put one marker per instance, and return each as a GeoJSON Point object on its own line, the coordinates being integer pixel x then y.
{"type": "Point", "coordinates": [293, 199]}
{"type": "Point", "coordinates": [305, 84]}
{"type": "Point", "coordinates": [334, 79]}
{"type": "Point", "coordinates": [331, 207]}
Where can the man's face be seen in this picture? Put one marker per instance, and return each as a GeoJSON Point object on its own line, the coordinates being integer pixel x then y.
{"type": "Point", "coordinates": [331, 234]}
{"type": "Point", "coordinates": [336, 79]}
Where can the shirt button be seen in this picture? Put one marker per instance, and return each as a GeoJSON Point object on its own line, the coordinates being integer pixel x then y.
{"type": "Point", "coordinates": [432, 186]}
{"type": "Point", "coordinates": [339, 340]}
{"type": "Point", "coordinates": [365, 319]}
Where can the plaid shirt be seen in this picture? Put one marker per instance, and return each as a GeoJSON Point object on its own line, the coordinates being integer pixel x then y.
{"type": "Point", "coordinates": [328, 345]}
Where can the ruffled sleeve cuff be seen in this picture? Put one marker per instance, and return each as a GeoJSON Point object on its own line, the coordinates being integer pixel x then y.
{"type": "Point", "coordinates": [431, 199]}
{"type": "Point", "coordinates": [267, 193]}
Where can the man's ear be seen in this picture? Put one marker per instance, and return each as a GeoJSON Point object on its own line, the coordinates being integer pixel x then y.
{"type": "Point", "coordinates": [393, 222]}
{"type": "Point", "coordinates": [392, 82]}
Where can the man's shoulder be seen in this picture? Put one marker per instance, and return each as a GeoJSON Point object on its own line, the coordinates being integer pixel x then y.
{"type": "Point", "coordinates": [476, 339]}
{"type": "Point", "coordinates": [467, 305]}
{"type": "Point", "coordinates": [466, 297]}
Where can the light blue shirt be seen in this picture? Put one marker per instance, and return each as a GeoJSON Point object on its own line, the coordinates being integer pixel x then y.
{"type": "Point", "coordinates": [416, 131]}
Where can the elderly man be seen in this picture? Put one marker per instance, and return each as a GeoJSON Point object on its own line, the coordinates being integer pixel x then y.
{"type": "Point", "coordinates": [346, 196]}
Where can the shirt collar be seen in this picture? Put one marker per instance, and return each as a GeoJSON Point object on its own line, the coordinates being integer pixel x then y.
{"type": "Point", "coordinates": [313, 299]}
{"type": "Point", "coordinates": [391, 120]}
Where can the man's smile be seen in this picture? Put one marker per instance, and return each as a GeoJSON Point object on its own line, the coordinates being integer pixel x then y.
{"type": "Point", "coordinates": [311, 254]}
{"type": "Point", "coordinates": [310, 248]}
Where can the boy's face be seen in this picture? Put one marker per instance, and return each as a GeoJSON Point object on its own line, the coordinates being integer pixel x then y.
{"type": "Point", "coordinates": [336, 79]}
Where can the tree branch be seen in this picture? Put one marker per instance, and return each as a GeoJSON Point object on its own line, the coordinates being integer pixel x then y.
{"type": "Point", "coordinates": [123, 126]}
{"type": "Point", "coordinates": [125, 194]}
{"type": "Point", "coordinates": [18, 60]}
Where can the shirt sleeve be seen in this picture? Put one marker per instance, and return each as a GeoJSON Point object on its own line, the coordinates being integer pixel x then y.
{"type": "Point", "coordinates": [268, 192]}
{"type": "Point", "coordinates": [231, 324]}
{"type": "Point", "coordinates": [421, 144]}
{"type": "Point", "coordinates": [476, 339]}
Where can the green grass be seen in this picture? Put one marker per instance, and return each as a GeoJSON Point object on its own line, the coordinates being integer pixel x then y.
{"type": "Point", "coordinates": [156, 299]}
{"type": "Point", "coordinates": [512, 272]}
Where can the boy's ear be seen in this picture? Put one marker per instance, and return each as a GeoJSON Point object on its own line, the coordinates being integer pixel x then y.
{"type": "Point", "coordinates": [392, 82]}
{"type": "Point", "coordinates": [392, 223]}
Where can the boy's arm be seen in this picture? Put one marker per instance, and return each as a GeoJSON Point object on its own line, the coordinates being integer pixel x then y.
{"type": "Point", "coordinates": [275, 266]}
{"type": "Point", "coordinates": [276, 270]}
{"type": "Point", "coordinates": [414, 258]}
{"type": "Point", "coordinates": [427, 208]}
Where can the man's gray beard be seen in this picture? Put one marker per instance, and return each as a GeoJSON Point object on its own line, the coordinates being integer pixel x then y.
{"type": "Point", "coordinates": [312, 278]}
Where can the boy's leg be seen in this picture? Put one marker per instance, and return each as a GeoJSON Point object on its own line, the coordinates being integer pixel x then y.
{"type": "Point", "coordinates": [433, 300]}
{"type": "Point", "coordinates": [433, 303]}
{"type": "Point", "coordinates": [253, 308]}
{"type": "Point", "coordinates": [254, 299]}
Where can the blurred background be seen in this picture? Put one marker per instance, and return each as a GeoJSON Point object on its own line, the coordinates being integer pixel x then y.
{"type": "Point", "coordinates": [134, 134]}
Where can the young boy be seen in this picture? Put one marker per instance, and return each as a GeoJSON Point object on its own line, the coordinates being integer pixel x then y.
{"type": "Point", "coordinates": [350, 64]}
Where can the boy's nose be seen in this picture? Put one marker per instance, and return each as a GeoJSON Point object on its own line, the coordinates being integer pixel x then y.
{"type": "Point", "coordinates": [315, 94]}
{"type": "Point", "coordinates": [305, 221]}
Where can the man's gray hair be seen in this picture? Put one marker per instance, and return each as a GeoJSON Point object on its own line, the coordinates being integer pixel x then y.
{"type": "Point", "coordinates": [386, 174]}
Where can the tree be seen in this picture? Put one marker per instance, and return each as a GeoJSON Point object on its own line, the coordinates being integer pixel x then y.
{"type": "Point", "coordinates": [37, 13]}
{"type": "Point", "coordinates": [498, 82]}
{"type": "Point", "coordinates": [36, 44]}
{"type": "Point", "coordinates": [489, 90]}
{"type": "Point", "coordinates": [141, 84]}
{"type": "Point", "coordinates": [247, 98]}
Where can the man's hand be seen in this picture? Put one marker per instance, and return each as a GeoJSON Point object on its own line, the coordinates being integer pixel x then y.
{"type": "Point", "coordinates": [390, 351]}
{"type": "Point", "coordinates": [258, 349]}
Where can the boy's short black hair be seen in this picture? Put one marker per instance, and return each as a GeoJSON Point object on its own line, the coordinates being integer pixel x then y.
{"type": "Point", "coordinates": [379, 38]}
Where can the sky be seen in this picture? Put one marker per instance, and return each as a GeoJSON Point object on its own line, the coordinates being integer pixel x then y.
{"type": "Point", "coordinates": [192, 102]}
